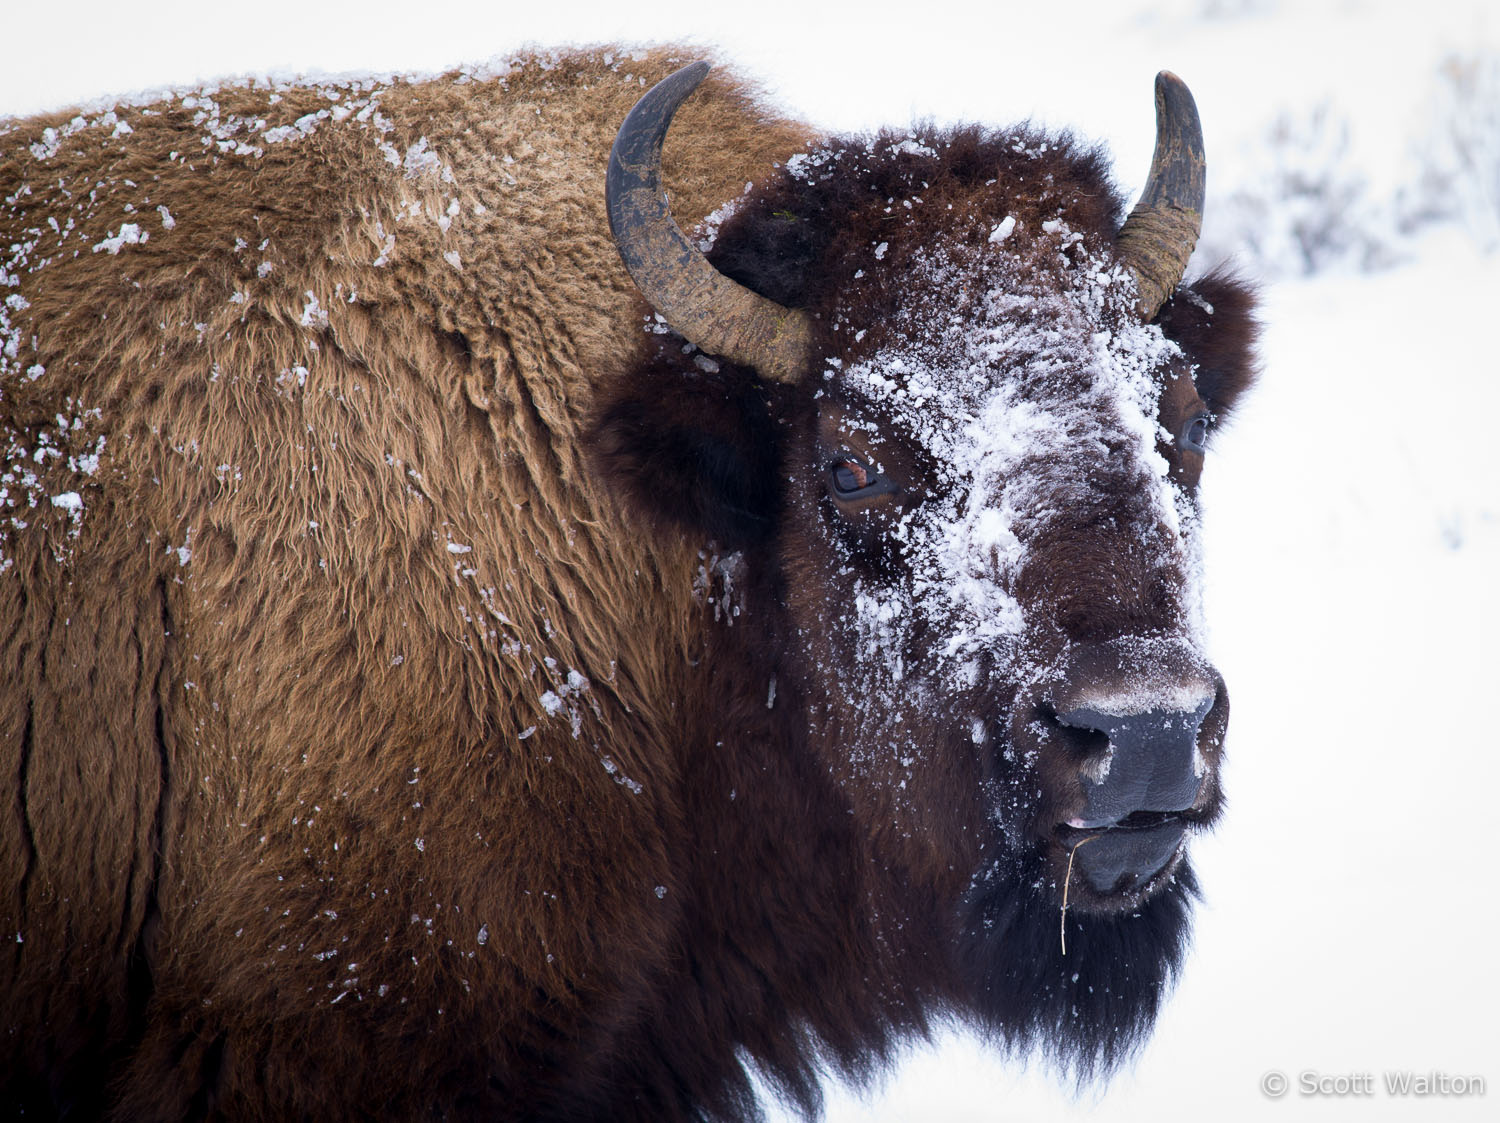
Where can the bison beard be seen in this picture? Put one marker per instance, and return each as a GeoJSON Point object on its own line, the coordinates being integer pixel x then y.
{"type": "Point", "coordinates": [1089, 1007]}
{"type": "Point", "coordinates": [482, 708]}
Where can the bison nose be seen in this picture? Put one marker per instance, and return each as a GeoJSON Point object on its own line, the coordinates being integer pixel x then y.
{"type": "Point", "coordinates": [1152, 763]}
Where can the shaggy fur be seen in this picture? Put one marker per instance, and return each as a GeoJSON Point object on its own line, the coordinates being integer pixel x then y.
{"type": "Point", "coordinates": [261, 727]}
{"type": "Point", "coordinates": [379, 739]}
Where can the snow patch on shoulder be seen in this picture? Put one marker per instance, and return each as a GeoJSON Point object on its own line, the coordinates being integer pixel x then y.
{"type": "Point", "coordinates": [130, 235]}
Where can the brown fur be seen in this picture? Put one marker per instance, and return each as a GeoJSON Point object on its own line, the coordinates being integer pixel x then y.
{"type": "Point", "coordinates": [199, 753]}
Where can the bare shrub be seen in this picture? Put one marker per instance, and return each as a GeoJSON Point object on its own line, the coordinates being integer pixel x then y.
{"type": "Point", "coordinates": [1459, 154]}
{"type": "Point", "coordinates": [1302, 205]}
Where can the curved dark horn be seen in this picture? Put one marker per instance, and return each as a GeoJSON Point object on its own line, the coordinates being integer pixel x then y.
{"type": "Point", "coordinates": [1158, 237]}
{"type": "Point", "coordinates": [700, 303]}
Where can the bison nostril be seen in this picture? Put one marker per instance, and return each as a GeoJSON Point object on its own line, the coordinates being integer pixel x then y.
{"type": "Point", "coordinates": [1083, 742]}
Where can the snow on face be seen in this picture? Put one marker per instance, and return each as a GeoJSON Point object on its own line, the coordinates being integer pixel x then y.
{"type": "Point", "coordinates": [1020, 401]}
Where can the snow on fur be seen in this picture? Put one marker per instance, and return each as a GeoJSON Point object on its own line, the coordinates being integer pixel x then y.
{"type": "Point", "coordinates": [994, 402]}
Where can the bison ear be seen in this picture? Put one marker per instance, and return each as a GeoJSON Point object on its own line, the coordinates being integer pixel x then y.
{"type": "Point", "coordinates": [693, 453]}
{"type": "Point", "coordinates": [1213, 321]}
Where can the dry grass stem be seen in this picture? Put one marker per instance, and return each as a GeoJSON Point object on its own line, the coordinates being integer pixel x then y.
{"type": "Point", "coordinates": [1062, 921]}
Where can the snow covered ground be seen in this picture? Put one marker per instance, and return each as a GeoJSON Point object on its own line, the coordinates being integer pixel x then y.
{"type": "Point", "coordinates": [1353, 510]}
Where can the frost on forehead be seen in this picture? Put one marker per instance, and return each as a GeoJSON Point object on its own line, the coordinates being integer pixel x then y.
{"type": "Point", "coordinates": [1018, 401]}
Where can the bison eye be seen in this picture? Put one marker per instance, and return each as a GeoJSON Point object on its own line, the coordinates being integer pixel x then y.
{"type": "Point", "coordinates": [851, 477]}
{"type": "Point", "coordinates": [1193, 434]}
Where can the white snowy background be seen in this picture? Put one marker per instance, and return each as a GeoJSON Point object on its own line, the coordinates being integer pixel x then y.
{"type": "Point", "coordinates": [1353, 510]}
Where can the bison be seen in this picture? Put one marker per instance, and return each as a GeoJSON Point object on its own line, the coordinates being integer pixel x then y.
{"type": "Point", "coordinates": [440, 684]}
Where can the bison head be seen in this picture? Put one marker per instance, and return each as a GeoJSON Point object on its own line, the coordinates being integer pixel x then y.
{"type": "Point", "coordinates": [961, 413]}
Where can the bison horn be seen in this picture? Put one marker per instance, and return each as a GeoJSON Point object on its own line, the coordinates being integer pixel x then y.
{"type": "Point", "coordinates": [1158, 237]}
{"type": "Point", "coordinates": [701, 304]}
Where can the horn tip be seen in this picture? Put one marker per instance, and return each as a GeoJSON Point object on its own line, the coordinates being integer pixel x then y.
{"type": "Point", "coordinates": [690, 75]}
{"type": "Point", "coordinates": [1174, 97]}
{"type": "Point", "coordinates": [1177, 113]}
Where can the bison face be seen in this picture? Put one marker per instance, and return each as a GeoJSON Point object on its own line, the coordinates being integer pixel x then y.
{"type": "Point", "coordinates": [963, 419]}
{"type": "Point", "coordinates": [991, 537]}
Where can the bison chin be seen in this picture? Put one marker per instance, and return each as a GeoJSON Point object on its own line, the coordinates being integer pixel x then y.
{"type": "Point", "coordinates": [1086, 1009]}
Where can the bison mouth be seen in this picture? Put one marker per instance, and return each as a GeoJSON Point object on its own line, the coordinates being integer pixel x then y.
{"type": "Point", "coordinates": [1115, 867]}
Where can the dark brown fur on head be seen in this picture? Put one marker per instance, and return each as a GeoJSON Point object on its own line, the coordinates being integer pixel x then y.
{"type": "Point", "coordinates": [809, 238]}
{"type": "Point", "coordinates": [1213, 321]}
{"type": "Point", "coordinates": [808, 234]}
